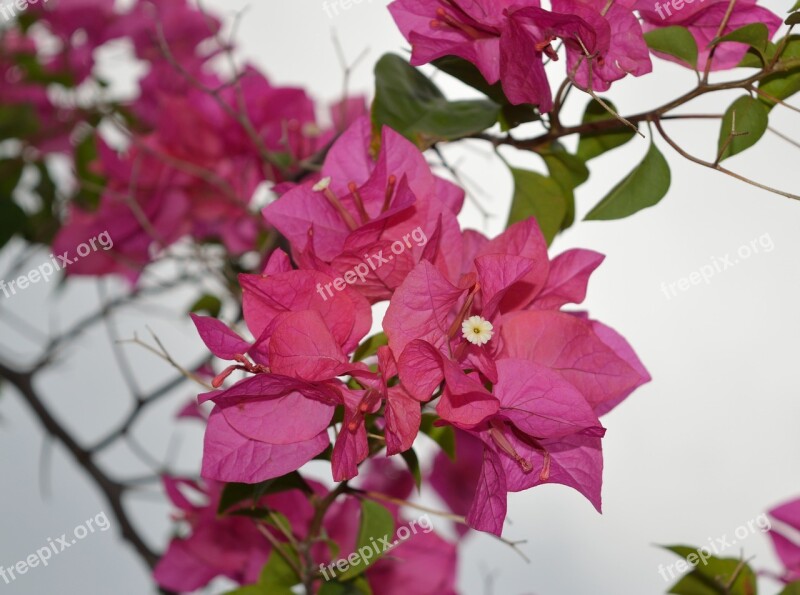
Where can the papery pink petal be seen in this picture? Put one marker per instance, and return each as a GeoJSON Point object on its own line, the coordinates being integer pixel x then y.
{"type": "Point", "coordinates": [497, 274]}
{"type": "Point", "coordinates": [220, 340]}
{"type": "Point", "coordinates": [571, 347]}
{"type": "Point", "coordinates": [414, 17]}
{"type": "Point", "coordinates": [278, 263]}
{"type": "Point", "coordinates": [351, 447]}
{"type": "Point", "coordinates": [270, 386]}
{"type": "Point", "coordinates": [302, 346]}
{"type": "Point", "coordinates": [568, 279]}
{"type": "Point", "coordinates": [172, 487]}
{"type": "Point", "coordinates": [490, 504]}
{"type": "Point", "coordinates": [456, 480]}
{"type": "Point", "coordinates": [191, 410]}
{"type": "Point", "coordinates": [465, 402]}
{"type": "Point", "coordinates": [539, 402]}
{"type": "Point", "coordinates": [229, 456]}
{"type": "Point", "coordinates": [623, 349]}
{"type": "Point", "coordinates": [424, 560]}
{"type": "Point", "coordinates": [420, 308]}
{"type": "Point", "coordinates": [346, 313]}
{"type": "Point", "coordinates": [576, 461]}
{"type": "Point", "coordinates": [788, 513]}
{"type": "Point", "coordinates": [403, 417]}
{"type": "Point", "coordinates": [179, 571]}
{"type": "Point", "coordinates": [524, 81]}
{"type": "Point", "coordinates": [285, 420]}
{"type": "Point", "coordinates": [788, 552]}
{"type": "Point", "coordinates": [523, 239]}
{"type": "Point", "coordinates": [420, 369]}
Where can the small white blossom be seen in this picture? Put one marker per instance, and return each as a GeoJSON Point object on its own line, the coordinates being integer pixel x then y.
{"type": "Point", "coordinates": [322, 184]}
{"type": "Point", "coordinates": [477, 330]}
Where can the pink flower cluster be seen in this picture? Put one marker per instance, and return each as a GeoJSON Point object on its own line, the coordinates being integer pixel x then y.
{"type": "Point", "coordinates": [474, 328]}
{"type": "Point", "coordinates": [231, 545]}
{"type": "Point", "coordinates": [199, 143]}
{"type": "Point", "coordinates": [785, 539]}
{"type": "Point", "coordinates": [507, 40]}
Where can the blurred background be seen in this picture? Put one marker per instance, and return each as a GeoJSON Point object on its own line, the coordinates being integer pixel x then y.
{"type": "Point", "coordinates": [708, 445]}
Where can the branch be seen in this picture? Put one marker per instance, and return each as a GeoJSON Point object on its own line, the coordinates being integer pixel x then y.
{"type": "Point", "coordinates": [111, 490]}
{"type": "Point", "coordinates": [717, 166]}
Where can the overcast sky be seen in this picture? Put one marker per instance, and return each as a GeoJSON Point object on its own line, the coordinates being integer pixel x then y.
{"type": "Point", "coordinates": [706, 447]}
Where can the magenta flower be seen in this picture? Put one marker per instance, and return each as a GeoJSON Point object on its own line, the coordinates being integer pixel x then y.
{"type": "Point", "coordinates": [424, 563]}
{"type": "Point", "coordinates": [495, 35]}
{"type": "Point", "coordinates": [621, 51]}
{"type": "Point", "coordinates": [402, 416]}
{"type": "Point", "coordinates": [526, 379]}
{"type": "Point", "coordinates": [276, 420]}
{"type": "Point", "coordinates": [788, 550]}
{"type": "Point", "coordinates": [470, 30]}
{"type": "Point", "coordinates": [229, 546]}
{"type": "Point", "coordinates": [703, 20]}
{"type": "Point", "coordinates": [590, 356]}
{"type": "Point", "coordinates": [544, 432]}
{"type": "Point", "coordinates": [351, 222]}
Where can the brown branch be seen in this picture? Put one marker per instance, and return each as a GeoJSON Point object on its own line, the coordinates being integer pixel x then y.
{"type": "Point", "coordinates": [111, 490]}
{"type": "Point", "coordinates": [717, 166]}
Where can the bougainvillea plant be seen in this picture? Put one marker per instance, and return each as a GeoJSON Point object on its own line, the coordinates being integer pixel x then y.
{"type": "Point", "coordinates": [359, 315]}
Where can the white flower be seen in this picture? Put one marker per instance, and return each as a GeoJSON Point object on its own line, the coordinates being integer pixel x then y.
{"type": "Point", "coordinates": [322, 185]}
{"type": "Point", "coordinates": [477, 330]}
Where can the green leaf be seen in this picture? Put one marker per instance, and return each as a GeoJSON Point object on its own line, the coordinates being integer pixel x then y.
{"type": "Point", "coordinates": [796, 7]}
{"type": "Point", "coordinates": [675, 41]}
{"type": "Point", "coordinates": [593, 144]}
{"type": "Point", "coordinates": [710, 576]}
{"type": "Point", "coordinates": [411, 459]}
{"type": "Point", "coordinates": [754, 59]}
{"type": "Point", "coordinates": [569, 171]}
{"type": "Point", "coordinates": [746, 119]}
{"type": "Point", "coordinates": [444, 436]}
{"type": "Point", "coordinates": [465, 71]}
{"type": "Point", "coordinates": [277, 575]}
{"type": "Point", "coordinates": [370, 346]}
{"type": "Point", "coordinates": [18, 121]}
{"type": "Point", "coordinates": [469, 74]}
{"type": "Point", "coordinates": [249, 590]}
{"type": "Point", "coordinates": [359, 586]}
{"type": "Point", "coordinates": [793, 19]}
{"type": "Point", "coordinates": [44, 223]}
{"type": "Point", "coordinates": [13, 219]}
{"type": "Point", "coordinates": [209, 304]}
{"type": "Point", "coordinates": [793, 588]}
{"type": "Point", "coordinates": [376, 523]}
{"type": "Point", "coordinates": [540, 197]}
{"type": "Point", "coordinates": [782, 85]}
{"type": "Point", "coordinates": [643, 187]}
{"type": "Point", "coordinates": [34, 72]}
{"type": "Point", "coordinates": [10, 175]}
{"type": "Point", "coordinates": [756, 35]}
{"type": "Point", "coordinates": [92, 183]}
{"type": "Point", "coordinates": [408, 102]}
{"type": "Point", "coordinates": [234, 493]}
